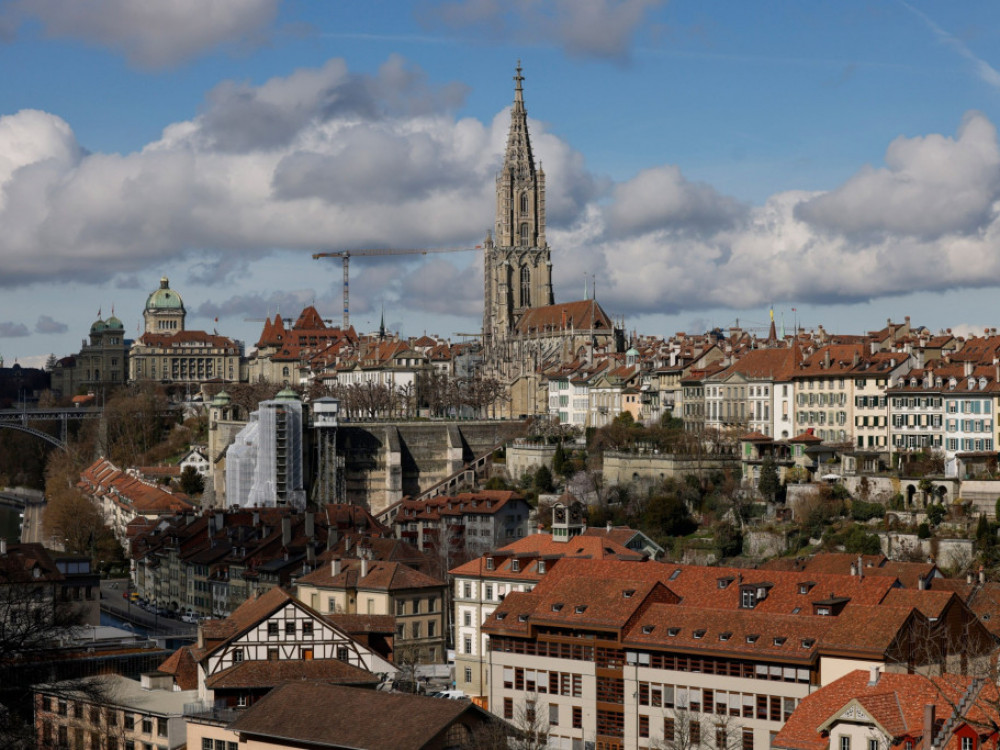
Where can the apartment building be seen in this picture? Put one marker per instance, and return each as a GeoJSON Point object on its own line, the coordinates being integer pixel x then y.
{"type": "Point", "coordinates": [480, 585]}
{"type": "Point", "coordinates": [626, 654]}
{"type": "Point", "coordinates": [111, 712]}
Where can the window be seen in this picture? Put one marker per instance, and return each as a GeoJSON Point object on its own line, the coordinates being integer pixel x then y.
{"type": "Point", "coordinates": [508, 708]}
{"type": "Point", "coordinates": [290, 629]}
{"type": "Point", "coordinates": [489, 592]}
{"type": "Point", "coordinates": [307, 629]}
{"type": "Point", "coordinates": [643, 726]}
{"type": "Point", "coordinates": [468, 646]}
{"type": "Point", "coordinates": [206, 744]}
{"type": "Point", "coordinates": [694, 732]}
{"type": "Point", "coordinates": [967, 743]}
{"type": "Point", "coordinates": [467, 590]}
{"type": "Point", "coordinates": [161, 726]}
{"type": "Point", "coordinates": [845, 742]}
{"type": "Point", "coordinates": [515, 565]}
{"type": "Point", "coordinates": [577, 717]}
{"type": "Point", "coordinates": [872, 744]}
{"type": "Point", "coordinates": [415, 629]}
{"type": "Point", "coordinates": [668, 729]}
{"type": "Point", "coordinates": [129, 722]}
{"type": "Point", "coordinates": [147, 725]}
{"type": "Point", "coordinates": [272, 628]}
{"type": "Point", "coordinates": [468, 674]}
{"type": "Point", "coordinates": [467, 618]}
{"type": "Point", "coordinates": [553, 715]}
{"type": "Point", "coordinates": [237, 655]}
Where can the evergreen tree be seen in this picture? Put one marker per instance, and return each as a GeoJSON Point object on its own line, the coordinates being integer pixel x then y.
{"type": "Point", "coordinates": [768, 483]}
{"type": "Point", "coordinates": [559, 460]}
{"type": "Point", "coordinates": [543, 479]}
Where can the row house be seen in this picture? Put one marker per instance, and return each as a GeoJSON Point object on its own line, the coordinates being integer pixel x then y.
{"type": "Point", "coordinates": [211, 564]}
{"type": "Point", "coordinates": [636, 654]}
{"type": "Point", "coordinates": [952, 409]}
{"type": "Point", "coordinates": [124, 497]}
{"type": "Point", "coordinates": [871, 378]}
{"type": "Point", "coordinates": [368, 587]}
{"type": "Point", "coordinates": [610, 394]}
{"type": "Point", "coordinates": [569, 391]}
{"type": "Point", "coordinates": [463, 525]}
{"type": "Point", "coordinates": [289, 354]}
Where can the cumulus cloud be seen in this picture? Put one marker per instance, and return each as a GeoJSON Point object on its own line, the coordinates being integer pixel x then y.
{"type": "Point", "coordinates": [387, 171]}
{"type": "Point", "coordinates": [326, 177]}
{"type": "Point", "coordinates": [931, 186]}
{"type": "Point", "coordinates": [10, 330]}
{"type": "Point", "coordinates": [602, 29]}
{"type": "Point", "coordinates": [149, 34]}
{"type": "Point", "coordinates": [46, 324]}
{"type": "Point", "coordinates": [661, 197]}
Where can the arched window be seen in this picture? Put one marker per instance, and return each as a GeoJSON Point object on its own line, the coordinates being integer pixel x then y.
{"type": "Point", "coordinates": [525, 287]}
{"type": "Point", "coordinates": [524, 233]}
{"type": "Point", "coordinates": [524, 203]}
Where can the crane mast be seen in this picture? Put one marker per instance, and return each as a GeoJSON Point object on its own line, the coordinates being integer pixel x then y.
{"type": "Point", "coordinates": [345, 256]}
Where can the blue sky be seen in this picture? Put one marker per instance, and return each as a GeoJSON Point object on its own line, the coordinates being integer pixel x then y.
{"type": "Point", "coordinates": [705, 160]}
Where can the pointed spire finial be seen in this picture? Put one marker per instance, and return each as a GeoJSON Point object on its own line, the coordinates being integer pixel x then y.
{"type": "Point", "coordinates": [518, 80]}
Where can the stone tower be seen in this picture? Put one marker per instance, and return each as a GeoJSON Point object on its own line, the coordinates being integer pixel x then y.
{"type": "Point", "coordinates": [518, 267]}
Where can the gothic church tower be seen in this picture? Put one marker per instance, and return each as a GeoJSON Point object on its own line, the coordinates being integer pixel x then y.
{"type": "Point", "coordinates": [518, 267]}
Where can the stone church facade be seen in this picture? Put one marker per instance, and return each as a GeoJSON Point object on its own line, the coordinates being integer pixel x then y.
{"type": "Point", "coordinates": [524, 330]}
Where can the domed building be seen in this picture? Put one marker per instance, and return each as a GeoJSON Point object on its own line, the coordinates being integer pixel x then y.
{"type": "Point", "coordinates": [101, 365]}
{"type": "Point", "coordinates": [164, 312]}
{"type": "Point", "coordinates": [169, 353]}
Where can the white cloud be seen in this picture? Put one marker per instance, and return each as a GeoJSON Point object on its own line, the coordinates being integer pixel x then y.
{"type": "Point", "coordinates": [151, 33]}
{"type": "Point", "coordinates": [931, 186]}
{"type": "Point", "coordinates": [390, 174]}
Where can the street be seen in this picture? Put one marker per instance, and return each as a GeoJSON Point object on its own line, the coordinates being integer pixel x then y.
{"type": "Point", "coordinates": [114, 604]}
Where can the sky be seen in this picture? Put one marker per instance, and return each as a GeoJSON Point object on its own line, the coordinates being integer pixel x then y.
{"type": "Point", "coordinates": [705, 161]}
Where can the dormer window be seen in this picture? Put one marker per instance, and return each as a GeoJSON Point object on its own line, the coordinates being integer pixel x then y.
{"type": "Point", "coordinates": [515, 565]}
{"type": "Point", "coordinates": [628, 593]}
{"type": "Point", "coordinates": [673, 631]}
{"type": "Point", "coordinates": [699, 633]}
{"type": "Point", "coordinates": [808, 642]}
{"type": "Point", "coordinates": [501, 615]}
{"type": "Point", "coordinates": [779, 640]}
{"type": "Point", "coordinates": [581, 608]}
{"type": "Point", "coordinates": [541, 567]}
{"type": "Point", "coordinates": [522, 618]}
{"type": "Point", "coordinates": [725, 636]}
{"type": "Point", "coordinates": [748, 598]}
{"type": "Point", "coordinates": [673, 576]}
{"type": "Point", "coordinates": [489, 563]}
{"type": "Point", "coordinates": [557, 607]}
{"type": "Point", "coordinates": [647, 629]}
{"type": "Point", "coordinates": [723, 582]}
{"type": "Point", "coordinates": [751, 639]}
{"type": "Point", "coordinates": [805, 586]}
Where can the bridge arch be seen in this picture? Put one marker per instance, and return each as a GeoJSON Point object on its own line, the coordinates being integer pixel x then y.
{"type": "Point", "coordinates": [37, 433]}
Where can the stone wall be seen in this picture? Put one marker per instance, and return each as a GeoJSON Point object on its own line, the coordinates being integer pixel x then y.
{"type": "Point", "coordinates": [651, 468]}
{"type": "Point", "coordinates": [526, 458]}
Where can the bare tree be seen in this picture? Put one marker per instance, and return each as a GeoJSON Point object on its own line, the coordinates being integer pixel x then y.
{"type": "Point", "coordinates": [526, 729]}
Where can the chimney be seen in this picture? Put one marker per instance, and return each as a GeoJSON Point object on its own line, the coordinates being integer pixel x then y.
{"type": "Point", "coordinates": [3, 545]}
{"type": "Point", "coordinates": [256, 518]}
{"type": "Point", "coordinates": [929, 718]}
{"type": "Point", "coordinates": [286, 531]}
{"type": "Point", "coordinates": [332, 537]}
{"type": "Point", "coordinates": [969, 578]}
{"type": "Point", "coordinates": [310, 525]}
{"type": "Point", "coordinates": [364, 567]}
{"type": "Point", "coordinates": [335, 567]}
{"type": "Point", "coordinates": [921, 584]}
{"type": "Point", "coordinates": [611, 527]}
{"type": "Point", "coordinates": [873, 675]}
{"type": "Point", "coordinates": [854, 569]}
{"type": "Point", "coordinates": [311, 554]}
{"type": "Point", "coordinates": [861, 568]}
{"type": "Point", "coordinates": [982, 575]}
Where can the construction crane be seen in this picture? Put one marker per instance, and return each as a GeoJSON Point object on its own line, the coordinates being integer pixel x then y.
{"type": "Point", "coordinates": [346, 255]}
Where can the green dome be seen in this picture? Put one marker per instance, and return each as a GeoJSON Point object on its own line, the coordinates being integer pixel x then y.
{"type": "Point", "coordinates": [221, 399]}
{"type": "Point", "coordinates": [114, 323]}
{"type": "Point", "coordinates": [98, 326]}
{"type": "Point", "coordinates": [286, 394]}
{"type": "Point", "coordinates": [164, 298]}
